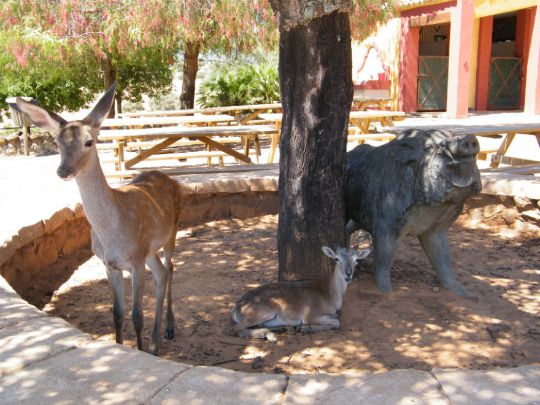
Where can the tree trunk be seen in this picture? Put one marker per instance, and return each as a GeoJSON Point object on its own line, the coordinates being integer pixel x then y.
{"type": "Point", "coordinates": [191, 66]}
{"type": "Point", "coordinates": [118, 99]}
{"type": "Point", "coordinates": [316, 89]}
{"type": "Point", "coordinates": [109, 77]}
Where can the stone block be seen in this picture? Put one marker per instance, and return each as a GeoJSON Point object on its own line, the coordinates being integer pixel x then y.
{"type": "Point", "coordinates": [31, 232]}
{"type": "Point", "coordinates": [30, 262]}
{"type": "Point", "coordinates": [264, 184]}
{"type": "Point", "coordinates": [506, 386]}
{"type": "Point", "coordinates": [47, 251]}
{"type": "Point", "coordinates": [58, 219]}
{"type": "Point", "coordinates": [394, 387]}
{"type": "Point", "coordinates": [79, 211]}
{"type": "Point", "coordinates": [60, 236]}
{"type": "Point", "coordinates": [493, 210]}
{"type": "Point", "coordinates": [510, 215]}
{"type": "Point", "coordinates": [95, 373]}
{"type": "Point", "coordinates": [212, 385]}
{"type": "Point", "coordinates": [6, 251]}
{"type": "Point", "coordinates": [78, 236]}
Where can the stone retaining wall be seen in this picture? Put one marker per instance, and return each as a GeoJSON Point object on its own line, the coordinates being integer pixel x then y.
{"type": "Point", "coordinates": [41, 257]}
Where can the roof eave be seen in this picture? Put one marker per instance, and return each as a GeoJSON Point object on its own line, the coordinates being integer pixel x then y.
{"type": "Point", "coordinates": [423, 4]}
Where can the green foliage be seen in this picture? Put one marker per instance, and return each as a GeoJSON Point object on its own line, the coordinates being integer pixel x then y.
{"type": "Point", "coordinates": [44, 68]}
{"type": "Point", "coordinates": [70, 50]}
{"type": "Point", "coordinates": [240, 84]}
{"type": "Point", "coordinates": [144, 71]}
{"type": "Point", "coordinates": [165, 101]}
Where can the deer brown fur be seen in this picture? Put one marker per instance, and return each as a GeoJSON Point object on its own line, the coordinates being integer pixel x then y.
{"type": "Point", "coordinates": [129, 224]}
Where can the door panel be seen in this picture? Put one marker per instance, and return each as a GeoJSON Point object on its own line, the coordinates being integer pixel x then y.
{"type": "Point", "coordinates": [432, 83]}
{"type": "Point", "coordinates": [505, 75]}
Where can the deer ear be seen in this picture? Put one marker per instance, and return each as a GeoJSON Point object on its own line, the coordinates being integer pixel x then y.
{"type": "Point", "coordinates": [39, 116]}
{"type": "Point", "coordinates": [102, 108]}
{"type": "Point", "coordinates": [328, 252]}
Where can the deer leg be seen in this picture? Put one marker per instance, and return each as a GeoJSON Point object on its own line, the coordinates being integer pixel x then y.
{"type": "Point", "coordinates": [435, 244]}
{"type": "Point", "coordinates": [116, 281]}
{"type": "Point", "coordinates": [242, 329]}
{"type": "Point", "coordinates": [160, 278]}
{"type": "Point", "coordinates": [324, 322]}
{"type": "Point", "coordinates": [169, 251]}
{"type": "Point", "coordinates": [137, 290]}
{"type": "Point", "coordinates": [255, 333]}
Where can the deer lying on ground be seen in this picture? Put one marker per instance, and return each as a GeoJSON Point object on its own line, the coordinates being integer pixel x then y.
{"type": "Point", "coordinates": [129, 224]}
{"type": "Point", "coordinates": [311, 305]}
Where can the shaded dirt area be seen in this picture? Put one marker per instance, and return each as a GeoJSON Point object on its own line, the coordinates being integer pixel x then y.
{"type": "Point", "coordinates": [419, 325]}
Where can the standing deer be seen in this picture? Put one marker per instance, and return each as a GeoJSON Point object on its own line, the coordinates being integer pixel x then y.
{"type": "Point", "coordinates": [312, 305]}
{"type": "Point", "coordinates": [129, 224]}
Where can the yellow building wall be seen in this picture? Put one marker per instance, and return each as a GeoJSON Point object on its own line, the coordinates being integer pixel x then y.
{"type": "Point", "coordinates": [386, 39]}
{"type": "Point", "coordinates": [483, 8]}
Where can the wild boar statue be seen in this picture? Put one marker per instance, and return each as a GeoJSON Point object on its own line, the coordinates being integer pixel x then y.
{"type": "Point", "coordinates": [415, 185]}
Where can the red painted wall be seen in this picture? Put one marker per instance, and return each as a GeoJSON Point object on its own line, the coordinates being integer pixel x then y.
{"type": "Point", "coordinates": [408, 67]}
{"type": "Point", "coordinates": [524, 26]}
{"type": "Point", "coordinates": [483, 61]}
{"type": "Point", "coordinates": [532, 92]}
{"type": "Point", "coordinates": [459, 61]}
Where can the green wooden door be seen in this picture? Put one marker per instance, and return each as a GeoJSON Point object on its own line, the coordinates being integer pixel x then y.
{"type": "Point", "coordinates": [432, 83]}
{"type": "Point", "coordinates": [505, 74]}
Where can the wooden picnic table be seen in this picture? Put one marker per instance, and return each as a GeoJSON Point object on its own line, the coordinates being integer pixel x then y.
{"type": "Point", "coordinates": [508, 132]}
{"type": "Point", "coordinates": [361, 103]}
{"type": "Point", "coordinates": [360, 120]}
{"type": "Point", "coordinates": [167, 136]}
{"type": "Point", "coordinates": [242, 113]}
{"type": "Point", "coordinates": [363, 119]}
{"type": "Point", "coordinates": [199, 120]}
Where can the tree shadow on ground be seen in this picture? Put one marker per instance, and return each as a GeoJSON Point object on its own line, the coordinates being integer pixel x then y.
{"type": "Point", "coordinates": [419, 325]}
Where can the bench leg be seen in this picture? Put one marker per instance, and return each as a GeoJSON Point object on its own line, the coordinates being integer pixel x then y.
{"type": "Point", "coordinates": [119, 165]}
{"type": "Point", "coordinates": [273, 146]}
{"type": "Point", "coordinates": [508, 138]}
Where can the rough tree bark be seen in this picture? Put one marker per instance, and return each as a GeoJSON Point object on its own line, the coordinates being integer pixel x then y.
{"type": "Point", "coordinates": [316, 90]}
{"type": "Point", "coordinates": [189, 74]}
{"type": "Point", "coordinates": [109, 77]}
{"type": "Point", "coordinates": [118, 99]}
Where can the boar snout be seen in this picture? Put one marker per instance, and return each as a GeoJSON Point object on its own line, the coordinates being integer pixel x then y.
{"type": "Point", "coordinates": [464, 146]}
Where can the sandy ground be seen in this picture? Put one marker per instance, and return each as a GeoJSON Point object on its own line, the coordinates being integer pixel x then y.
{"type": "Point", "coordinates": [419, 325]}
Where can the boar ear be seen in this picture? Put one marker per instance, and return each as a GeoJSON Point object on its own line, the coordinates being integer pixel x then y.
{"type": "Point", "coordinates": [407, 150]}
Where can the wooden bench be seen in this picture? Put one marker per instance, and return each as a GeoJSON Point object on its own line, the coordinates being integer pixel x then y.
{"type": "Point", "coordinates": [163, 137]}
{"type": "Point", "coordinates": [243, 114]}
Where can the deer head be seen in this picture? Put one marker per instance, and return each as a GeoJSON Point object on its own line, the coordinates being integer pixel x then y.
{"type": "Point", "coordinates": [346, 260]}
{"type": "Point", "coordinates": [75, 139]}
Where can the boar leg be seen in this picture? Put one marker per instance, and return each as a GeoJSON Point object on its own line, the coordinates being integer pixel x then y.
{"type": "Point", "coordinates": [435, 244]}
{"type": "Point", "coordinates": [384, 248]}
